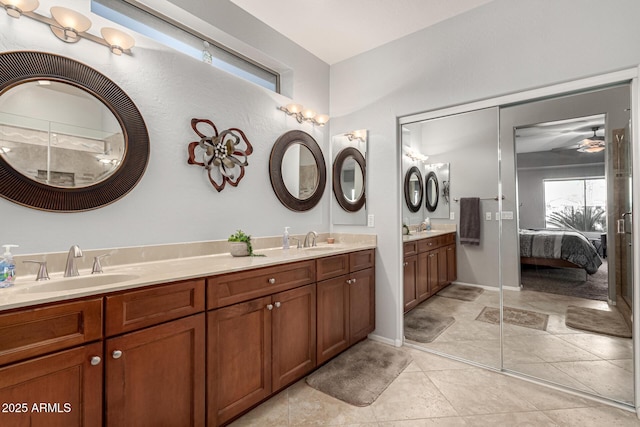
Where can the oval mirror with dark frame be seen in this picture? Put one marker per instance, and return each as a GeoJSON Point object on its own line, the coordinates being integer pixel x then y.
{"type": "Point", "coordinates": [297, 170]}
{"type": "Point", "coordinates": [70, 138]}
{"type": "Point", "coordinates": [413, 189]}
{"type": "Point", "coordinates": [349, 179]}
{"type": "Point", "coordinates": [432, 191]}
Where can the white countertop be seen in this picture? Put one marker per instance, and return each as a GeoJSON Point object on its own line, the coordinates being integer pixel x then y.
{"type": "Point", "coordinates": [27, 291]}
{"type": "Point", "coordinates": [418, 235]}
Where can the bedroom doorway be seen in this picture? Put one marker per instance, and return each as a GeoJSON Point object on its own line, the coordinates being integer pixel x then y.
{"type": "Point", "coordinates": [568, 246]}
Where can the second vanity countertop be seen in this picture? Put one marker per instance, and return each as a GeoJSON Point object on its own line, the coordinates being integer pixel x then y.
{"type": "Point", "coordinates": [27, 292]}
{"type": "Point", "coordinates": [418, 235]}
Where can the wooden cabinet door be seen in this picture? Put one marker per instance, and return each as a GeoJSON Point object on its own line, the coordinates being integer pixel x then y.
{"type": "Point", "coordinates": [293, 335]}
{"type": "Point", "coordinates": [156, 376]}
{"type": "Point", "coordinates": [238, 358]}
{"type": "Point", "coordinates": [410, 277]}
{"type": "Point", "coordinates": [362, 300]}
{"type": "Point", "coordinates": [333, 318]}
{"type": "Point", "coordinates": [67, 383]}
{"type": "Point", "coordinates": [433, 272]}
{"type": "Point", "coordinates": [442, 268]}
{"type": "Point", "coordinates": [452, 264]}
{"type": "Point", "coordinates": [422, 278]}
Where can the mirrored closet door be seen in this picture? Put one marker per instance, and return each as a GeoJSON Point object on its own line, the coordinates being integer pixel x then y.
{"type": "Point", "coordinates": [566, 247]}
{"type": "Point", "coordinates": [450, 176]}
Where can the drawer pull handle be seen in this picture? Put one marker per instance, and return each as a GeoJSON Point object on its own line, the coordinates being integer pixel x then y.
{"type": "Point", "coordinates": [277, 304]}
{"type": "Point", "coordinates": [405, 264]}
{"type": "Point", "coordinates": [117, 354]}
{"type": "Point", "coordinates": [269, 307]}
{"type": "Point", "coordinates": [272, 280]}
{"type": "Point", "coordinates": [95, 360]}
{"type": "Point", "coordinates": [353, 280]}
{"type": "Point", "coordinates": [349, 281]}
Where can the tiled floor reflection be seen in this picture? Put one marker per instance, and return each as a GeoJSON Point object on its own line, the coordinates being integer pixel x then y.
{"type": "Point", "coordinates": [435, 391]}
{"type": "Point", "coordinates": [588, 362]}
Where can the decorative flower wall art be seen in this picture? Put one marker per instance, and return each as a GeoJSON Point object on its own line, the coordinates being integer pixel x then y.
{"type": "Point", "coordinates": [224, 155]}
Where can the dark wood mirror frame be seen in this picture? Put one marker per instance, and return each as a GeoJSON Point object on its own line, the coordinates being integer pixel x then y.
{"type": "Point", "coordinates": [428, 203]}
{"type": "Point", "coordinates": [275, 170]}
{"type": "Point", "coordinates": [25, 66]}
{"type": "Point", "coordinates": [407, 196]}
{"type": "Point", "coordinates": [342, 156]}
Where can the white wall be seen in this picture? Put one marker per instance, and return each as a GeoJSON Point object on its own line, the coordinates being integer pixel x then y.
{"type": "Point", "coordinates": [174, 201]}
{"type": "Point", "coordinates": [503, 47]}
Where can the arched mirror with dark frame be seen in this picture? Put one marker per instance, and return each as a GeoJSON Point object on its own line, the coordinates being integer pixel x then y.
{"type": "Point", "coordinates": [297, 171]}
{"type": "Point", "coordinates": [70, 138]}
{"type": "Point", "coordinates": [432, 192]}
{"type": "Point", "coordinates": [413, 189]}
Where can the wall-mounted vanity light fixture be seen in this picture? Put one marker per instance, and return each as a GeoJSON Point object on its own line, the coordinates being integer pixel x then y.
{"type": "Point", "coordinates": [69, 25]}
{"type": "Point", "coordinates": [356, 135]}
{"type": "Point", "coordinates": [305, 114]}
{"type": "Point", "coordinates": [414, 154]}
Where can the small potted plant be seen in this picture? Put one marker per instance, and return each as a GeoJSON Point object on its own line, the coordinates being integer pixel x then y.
{"type": "Point", "coordinates": [240, 244]}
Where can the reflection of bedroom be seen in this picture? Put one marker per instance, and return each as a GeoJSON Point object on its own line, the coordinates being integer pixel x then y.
{"type": "Point", "coordinates": [562, 198]}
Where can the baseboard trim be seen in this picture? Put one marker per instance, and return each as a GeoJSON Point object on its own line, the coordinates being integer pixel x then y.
{"type": "Point", "coordinates": [384, 340]}
{"type": "Point", "coordinates": [489, 288]}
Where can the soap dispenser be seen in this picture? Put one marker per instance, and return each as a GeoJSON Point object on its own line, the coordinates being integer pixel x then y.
{"type": "Point", "coordinates": [7, 267]}
{"type": "Point", "coordinates": [285, 238]}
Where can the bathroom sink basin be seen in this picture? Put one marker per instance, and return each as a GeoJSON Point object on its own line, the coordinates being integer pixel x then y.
{"type": "Point", "coordinates": [79, 282]}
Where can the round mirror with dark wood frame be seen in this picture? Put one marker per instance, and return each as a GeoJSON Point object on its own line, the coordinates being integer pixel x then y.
{"type": "Point", "coordinates": [353, 156]}
{"type": "Point", "coordinates": [22, 67]}
{"type": "Point", "coordinates": [296, 165]}
{"type": "Point", "coordinates": [413, 189]}
{"type": "Point", "coordinates": [432, 190]}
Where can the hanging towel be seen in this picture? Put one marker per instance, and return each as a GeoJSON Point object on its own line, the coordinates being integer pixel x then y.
{"type": "Point", "coordinates": [470, 221]}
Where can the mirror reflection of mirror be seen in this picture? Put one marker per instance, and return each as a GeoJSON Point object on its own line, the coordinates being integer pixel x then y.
{"type": "Point", "coordinates": [437, 199]}
{"type": "Point", "coordinates": [299, 171]}
{"type": "Point", "coordinates": [413, 189]}
{"type": "Point", "coordinates": [58, 134]}
{"type": "Point", "coordinates": [349, 178]}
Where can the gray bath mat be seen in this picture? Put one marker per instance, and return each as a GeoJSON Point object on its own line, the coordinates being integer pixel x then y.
{"type": "Point", "coordinates": [422, 326]}
{"type": "Point", "coordinates": [359, 375]}
{"type": "Point", "coordinates": [515, 316]}
{"type": "Point", "coordinates": [599, 321]}
{"type": "Point", "coordinates": [461, 292]}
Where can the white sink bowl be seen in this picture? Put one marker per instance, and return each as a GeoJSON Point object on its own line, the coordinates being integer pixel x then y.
{"type": "Point", "coordinates": [80, 282]}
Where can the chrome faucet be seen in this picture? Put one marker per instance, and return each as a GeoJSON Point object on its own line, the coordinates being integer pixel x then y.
{"type": "Point", "coordinates": [72, 269]}
{"type": "Point", "coordinates": [308, 243]}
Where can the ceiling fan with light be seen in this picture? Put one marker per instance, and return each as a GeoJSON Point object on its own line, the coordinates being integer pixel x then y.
{"type": "Point", "coordinates": [593, 144]}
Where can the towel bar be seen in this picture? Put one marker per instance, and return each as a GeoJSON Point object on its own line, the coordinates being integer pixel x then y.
{"type": "Point", "coordinates": [483, 198]}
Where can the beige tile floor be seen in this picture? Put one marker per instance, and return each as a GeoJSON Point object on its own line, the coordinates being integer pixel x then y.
{"type": "Point", "coordinates": [436, 391]}
{"type": "Point", "coordinates": [592, 363]}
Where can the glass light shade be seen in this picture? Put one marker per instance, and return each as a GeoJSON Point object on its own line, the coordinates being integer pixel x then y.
{"type": "Point", "coordinates": [308, 114]}
{"type": "Point", "coordinates": [118, 40]}
{"type": "Point", "coordinates": [68, 18]}
{"type": "Point", "coordinates": [15, 8]}
{"type": "Point", "coordinates": [322, 119]}
{"type": "Point", "coordinates": [294, 108]}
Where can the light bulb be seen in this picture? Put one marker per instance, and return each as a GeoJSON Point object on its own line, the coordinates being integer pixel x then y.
{"type": "Point", "coordinates": [71, 22]}
{"type": "Point", "coordinates": [118, 41]}
{"type": "Point", "coordinates": [15, 8]}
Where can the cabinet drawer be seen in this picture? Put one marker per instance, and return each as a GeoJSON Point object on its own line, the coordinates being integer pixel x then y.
{"type": "Point", "coordinates": [410, 248]}
{"type": "Point", "coordinates": [332, 266]}
{"type": "Point", "coordinates": [37, 331]}
{"type": "Point", "coordinates": [361, 260]}
{"type": "Point", "coordinates": [428, 244]}
{"type": "Point", "coordinates": [245, 285]}
{"type": "Point", "coordinates": [133, 310]}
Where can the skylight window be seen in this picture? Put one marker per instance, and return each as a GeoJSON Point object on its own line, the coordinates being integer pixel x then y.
{"type": "Point", "coordinates": [185, 40]}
